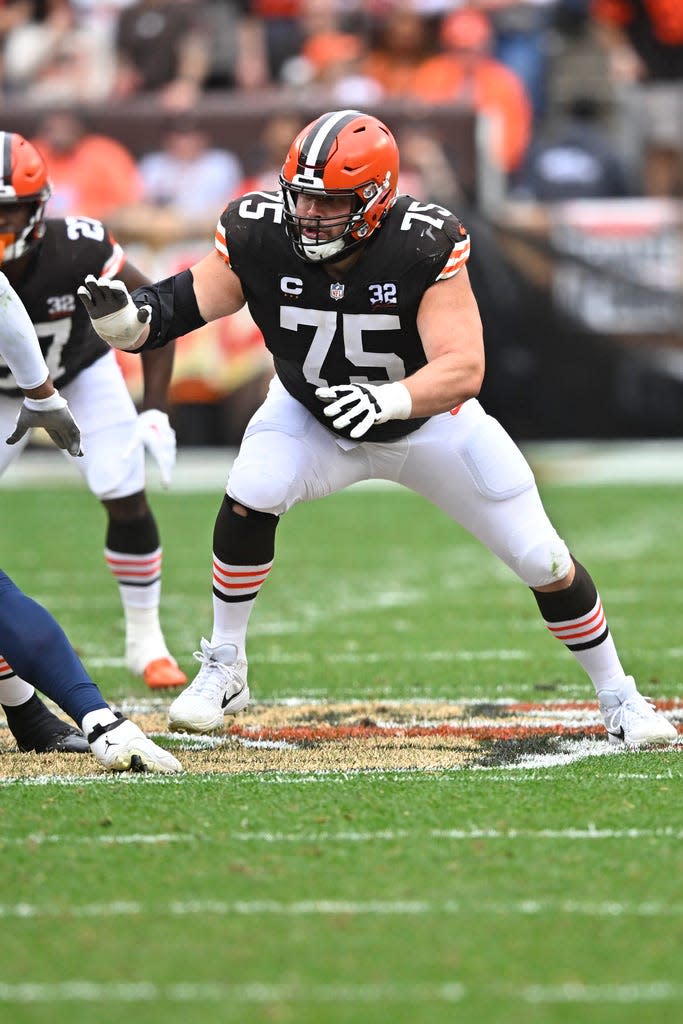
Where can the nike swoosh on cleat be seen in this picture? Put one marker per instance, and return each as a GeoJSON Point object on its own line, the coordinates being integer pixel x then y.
{"type": "Point", "coordinates": [618, 735]}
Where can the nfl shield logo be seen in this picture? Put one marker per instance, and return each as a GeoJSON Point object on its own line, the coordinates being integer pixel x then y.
{"type": "Point", "coordinates": [336, 291]}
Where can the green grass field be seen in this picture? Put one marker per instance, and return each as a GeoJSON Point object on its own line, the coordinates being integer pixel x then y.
{"type": "Point", "coordinates": [496, 893]}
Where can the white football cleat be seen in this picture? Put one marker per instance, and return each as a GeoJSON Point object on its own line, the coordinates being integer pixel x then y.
{"type": "Point", "coordinates": [634, 721]}
{"type": "Point", "coordinates": [122, 746]}
{"type": "Point", "coordinates": [220, 686]}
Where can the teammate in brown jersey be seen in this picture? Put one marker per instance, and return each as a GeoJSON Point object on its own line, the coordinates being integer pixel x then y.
{"type": "Point", "coordinates": [364, 300]}
{"type": "Point", "coordinates": [45, 260]}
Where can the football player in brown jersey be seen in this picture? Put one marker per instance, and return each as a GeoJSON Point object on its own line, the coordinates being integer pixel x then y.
{"type": "Point", "coordinates": [46, 259]}
{"type": "Point", "coordinates": [363, 298]}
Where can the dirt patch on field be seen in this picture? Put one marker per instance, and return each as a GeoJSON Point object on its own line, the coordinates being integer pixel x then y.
{"type": "Point", "coordinates": [342, 737]}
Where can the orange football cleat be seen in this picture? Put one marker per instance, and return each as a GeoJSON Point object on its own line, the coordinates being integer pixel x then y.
{"type": "Point", "coordinates": [163, 673]}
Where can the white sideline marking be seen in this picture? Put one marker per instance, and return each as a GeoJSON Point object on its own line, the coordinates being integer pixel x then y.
{"type": "Point", "coordinates": [590, 833]}
{"type": "Point", "coordinates": [143, 838]}
{"type": "Point", "coordinates": [557, 462]}
{"type": "Point", "coordinates": [389, 835]}
{"type": "Point", "coordinates": [644, 992]}
{"type": "Point", "coordinates": [355, 658]}
{"type": "Point", "coordinates": [219, 992]}
{"type": "Point", "coordinates": [323, 907]}
{"type": "Point", "coordinates": [358, 992]}
{"type": "Point", "coordinates": [516, 773]}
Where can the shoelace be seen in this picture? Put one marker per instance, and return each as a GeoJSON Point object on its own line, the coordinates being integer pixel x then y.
{"type": "Point", "coordinates": [212, 678]}
{"type": "Point", "coordinates": [637, 705]}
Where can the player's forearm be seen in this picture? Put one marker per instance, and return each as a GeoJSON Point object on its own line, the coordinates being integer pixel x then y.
{"type": "Point", "coordinates": [445, 382]}
{"type": "Point", "coordinates": [19, 345]}
{"type": "Point", "coordinates": [157, 369]}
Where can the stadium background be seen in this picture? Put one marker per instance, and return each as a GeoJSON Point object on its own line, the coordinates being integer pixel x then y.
{"type": "Point", "coordinates": [580, 296]}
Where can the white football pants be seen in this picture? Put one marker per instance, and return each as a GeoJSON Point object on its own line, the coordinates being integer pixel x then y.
{"type": "Point", "coordinates": [465, 464]}
{"type": "Point", "coordinates": [101, 405]}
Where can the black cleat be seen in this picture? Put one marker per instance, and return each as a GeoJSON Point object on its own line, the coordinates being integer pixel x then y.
{"type": "Point", "coordinates": [37, 730]}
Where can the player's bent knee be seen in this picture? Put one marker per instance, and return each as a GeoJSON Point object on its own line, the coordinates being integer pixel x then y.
{"type": "Point", "coordinates": [545, 563]}
{"type": "Point", "coordinates": [263, 485]}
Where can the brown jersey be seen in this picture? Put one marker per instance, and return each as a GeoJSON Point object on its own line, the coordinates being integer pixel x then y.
{"type": "Point", "coordinates": [69, 250]}
{"type": "Point", "coordinates": [360, 329]}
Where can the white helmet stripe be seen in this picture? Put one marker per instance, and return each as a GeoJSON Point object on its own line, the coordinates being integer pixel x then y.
{"type": "Point", "coordinates": [315, 149]}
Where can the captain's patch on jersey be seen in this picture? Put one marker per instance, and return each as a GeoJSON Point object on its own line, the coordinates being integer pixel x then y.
{"type": "Point", "coordinates": [291, 285]}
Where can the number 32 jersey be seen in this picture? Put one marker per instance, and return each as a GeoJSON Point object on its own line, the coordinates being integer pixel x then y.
{"type": "Point", "coordinates": [69, 250]}
{"type": "Point", "coordinates": [358, 329]}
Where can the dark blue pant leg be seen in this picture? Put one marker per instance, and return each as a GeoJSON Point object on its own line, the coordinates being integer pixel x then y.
{"type": "Point", "coordinates": [37, 648]}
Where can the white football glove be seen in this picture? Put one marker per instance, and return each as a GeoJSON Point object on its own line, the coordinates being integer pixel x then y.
{"type": "Point", "coordinates": [122, 746]}
{"type": "Point", "coordinates": [154, 432]}
{"type": "Point", "coordinates": [113, 314]}
{"type": "Point", "coordinates": [54, 416]}
{"type": "Point", "coordinates": [368, 403]}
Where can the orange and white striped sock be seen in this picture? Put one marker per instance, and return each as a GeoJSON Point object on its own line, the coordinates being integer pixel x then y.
{"type": "Point", "coordinates": [14, 690]}
{"type": "Point", "coordinates": [139, 580]}
{"type": "Point", "coordinates": [235, 589]}
{"type": "Point", "coordinates": [575, 616]}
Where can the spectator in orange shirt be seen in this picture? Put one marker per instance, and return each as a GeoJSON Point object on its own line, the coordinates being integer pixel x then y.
{"type": "Point", "coordinates": [465, 73]}
{"type": "Point", "coordinates": [403, 43]}
{"type": "Point", "coordinates": [92, 175]}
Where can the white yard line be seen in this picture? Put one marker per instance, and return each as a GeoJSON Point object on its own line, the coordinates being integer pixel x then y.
{"type": "Point", "coordinates": [261, 992]}
{"type": "Point", "coordinates": [588, 834]}
{"type": "Point", "coordinates": [636, 992]}
{"type": "Point", "coordinates": [224, 992]}
{"type": "Point", "coordinates": [333, 907]}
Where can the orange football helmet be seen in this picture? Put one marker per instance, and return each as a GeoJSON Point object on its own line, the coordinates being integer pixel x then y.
{"type": "Point", "coordinates": [342, 153]}
{"type": "Point", "coordinates": [23, 180]}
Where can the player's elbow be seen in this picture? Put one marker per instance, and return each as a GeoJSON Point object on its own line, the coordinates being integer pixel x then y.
{"type": "Point", "coordinates": [477, 374]}
{"type": "Point", "coordinates": [472, 375]}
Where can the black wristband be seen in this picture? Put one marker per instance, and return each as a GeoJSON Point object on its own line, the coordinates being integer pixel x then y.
{"type": "Point", "coordinates": [174, 309]}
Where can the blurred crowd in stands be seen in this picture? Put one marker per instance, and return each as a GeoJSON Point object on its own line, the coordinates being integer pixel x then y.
{"type": "Point", "coordinates": [577, 99]}
{"type": "Point", "coordinates": [582, 97]}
